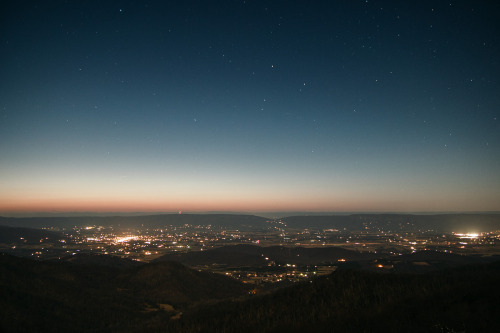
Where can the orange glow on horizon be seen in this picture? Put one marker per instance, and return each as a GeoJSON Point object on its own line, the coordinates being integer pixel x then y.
{"type": "Point", "coordinates": [203, 204]}
{"type": "Point", "coordinates": [131, 200]}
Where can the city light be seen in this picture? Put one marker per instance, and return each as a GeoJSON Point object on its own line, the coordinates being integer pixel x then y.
{"type": "Point", "coordinates": [468, 235]}
{"type": "Point", "coordinates": [125, 239]}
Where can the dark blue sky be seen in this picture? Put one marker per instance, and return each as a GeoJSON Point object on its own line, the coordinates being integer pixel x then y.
{"type": "Point", "coordinates": [249, 106]}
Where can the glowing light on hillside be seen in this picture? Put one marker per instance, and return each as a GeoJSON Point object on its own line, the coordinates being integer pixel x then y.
{"type": "Point", "coordinates": [124, 239]}
{"type": "Point", "coordinates": [468, 235]}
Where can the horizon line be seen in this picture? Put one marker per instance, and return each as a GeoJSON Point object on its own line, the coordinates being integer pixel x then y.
{"type": "Point", "coordinates": [272, 214]}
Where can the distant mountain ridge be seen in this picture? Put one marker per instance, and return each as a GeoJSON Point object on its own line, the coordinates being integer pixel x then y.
{"type": "Point", "coordinates": [397, 222]}
{"type": "Point", "coordinates": [224, 220]}
{"type": "Point", "coordinates": [354, 222]}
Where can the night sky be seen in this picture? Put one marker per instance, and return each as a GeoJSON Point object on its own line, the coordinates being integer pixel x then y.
{"type": "Point", "coordinates": [249, 106]}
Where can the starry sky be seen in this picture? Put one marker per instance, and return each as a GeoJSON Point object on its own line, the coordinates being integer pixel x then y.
{"type": "Point", "coordinates": [249, 106]}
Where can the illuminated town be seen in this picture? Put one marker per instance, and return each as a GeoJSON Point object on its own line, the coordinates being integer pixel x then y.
{"type": "Point", "coordinates": [148, 244]}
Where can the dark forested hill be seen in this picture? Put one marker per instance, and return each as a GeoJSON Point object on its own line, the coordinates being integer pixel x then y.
{"type": "Point", "coordinates": [252, 255]}
{"type": "Point", "coordinates": [173, 283]}
{"type": "Point", "coordinates": [93, 259]}
{"type": "Point", "coordinates": [68, 297]}
{"type": "Point", "coordinates": [27, 235]}
{"type": "Point", "coordinates": [460, 300]}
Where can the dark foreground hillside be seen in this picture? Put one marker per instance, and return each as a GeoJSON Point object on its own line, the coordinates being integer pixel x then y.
{"type": "Point", "coordinates": [466, 299]}
{"type": "Point", "coordinates": [168, 297]}
{"type": "Point", "coordinates": [67, 297]}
